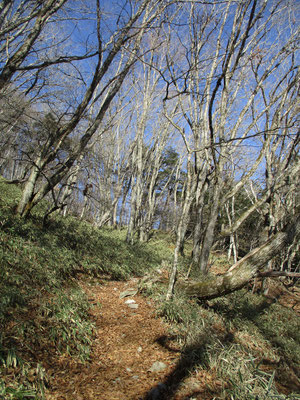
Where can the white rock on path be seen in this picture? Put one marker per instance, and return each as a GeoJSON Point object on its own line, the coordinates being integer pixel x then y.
{"type": "Point", "coordinates": [133, 306]}
{"type": "Point", "coordinates": [158, 366]}
{"type": "Point", "coordinates": [130, 301]}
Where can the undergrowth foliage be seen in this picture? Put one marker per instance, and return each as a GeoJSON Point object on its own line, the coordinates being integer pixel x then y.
{"type": "Point", "coordinates": [247, 342]}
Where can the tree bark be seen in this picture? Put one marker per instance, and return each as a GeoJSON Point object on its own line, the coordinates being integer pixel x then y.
{"type": "Point", "coordinates": [210, 229]}
{"type": "Point", "coordinates": [28, 192]}
{"type": "Point", "coordinates": [182, 227]}
{"type": "Point", "coordinates": [245, 269]}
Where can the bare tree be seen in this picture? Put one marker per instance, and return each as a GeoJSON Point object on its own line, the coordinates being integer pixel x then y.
{"type": "Point", "coordinates": [115, 58]}
{"type": "Point", "coordinates": [21, 24]}
{"type": "Point", "coordinates": [219, 89]}
{"type": "Point", "coordinates": [147, 154]}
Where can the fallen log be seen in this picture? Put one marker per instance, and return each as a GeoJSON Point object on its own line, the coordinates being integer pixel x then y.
{"type": "Point", "coordinates": [245, 269]}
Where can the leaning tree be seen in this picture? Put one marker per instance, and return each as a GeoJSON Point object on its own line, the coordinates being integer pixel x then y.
{"type": "Point", "coordinates": [236, 89]}
{"type": "Point", "coordinates": [115, 55]}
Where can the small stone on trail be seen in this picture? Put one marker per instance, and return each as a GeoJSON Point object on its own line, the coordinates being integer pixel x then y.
{"type": "Point", "coordinates": [128, 292]}
{"type": "Point", "coordinates": [158, 366]}
{"type": "Point", "coordinates": [133, 306]}
{"type": "Point", "coordinates": [130, 301]}
{"type": "Point", "coordinates": [139, 349]}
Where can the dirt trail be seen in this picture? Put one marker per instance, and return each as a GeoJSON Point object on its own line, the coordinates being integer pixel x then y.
{"type": "Point", "coordinates": [127, 344]}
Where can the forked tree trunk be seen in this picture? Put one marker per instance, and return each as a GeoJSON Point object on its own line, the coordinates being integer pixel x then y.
{"type": "Point", "coordinates": [208, 237]}
{"type": "Point", "coordinates": [198, 229]}
{"type": "Point", "coordinates": [245, 269]}
{"type": "Point", "coordinates": [28, 191]}
{"type": "Point", "coordinates": [182, 228]}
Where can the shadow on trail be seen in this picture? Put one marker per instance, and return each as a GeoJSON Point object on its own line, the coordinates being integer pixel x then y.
{"type": "Point", "coordinates": [197, 354]}
{"type": "Point", "coordinates": [193, 355]}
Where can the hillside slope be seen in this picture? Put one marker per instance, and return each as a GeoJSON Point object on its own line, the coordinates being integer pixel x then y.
{"type": "Point", "coordinates": [66, 334]}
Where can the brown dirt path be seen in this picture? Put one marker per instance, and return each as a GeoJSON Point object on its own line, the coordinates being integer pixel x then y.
{"type": "Point", "coordinates": [125, 348]}
{"type": "Point", "coordinates": [126, 344]}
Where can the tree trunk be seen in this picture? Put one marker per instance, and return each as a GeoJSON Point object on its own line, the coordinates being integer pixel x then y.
{"type": "Point", "coordinates": [126, 189]}
{"type": "Point", "coordinates": [28, 191]}
{"type": "Point", "coordinates": [182, 228]}
{"type": "Point", "coordinates": [71, 183]}
{"type": "Point", "coordinates": [210, 229]}
{"type": "Point", "coordinates": [245, 269]}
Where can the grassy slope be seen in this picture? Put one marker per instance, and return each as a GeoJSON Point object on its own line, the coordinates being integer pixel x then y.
{"type": "Point", "coordinates": [242, 338]}
{"type": "Point", "coordinates": [250, 345]}
{"type": "Point", "coordinates": [42, 308]}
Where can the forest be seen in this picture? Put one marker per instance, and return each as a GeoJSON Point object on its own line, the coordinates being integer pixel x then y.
{"type": "Point", "coordinates": [147, 119]}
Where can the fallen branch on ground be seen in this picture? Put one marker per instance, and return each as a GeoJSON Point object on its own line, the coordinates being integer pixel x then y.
{"type": "Point", "coordinates": [244, 270]}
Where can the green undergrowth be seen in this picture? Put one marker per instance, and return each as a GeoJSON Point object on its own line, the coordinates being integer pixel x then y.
{"type": "Point", "coordinates": [250, 345]}
{"type": "Point", "coordinates": [43, 311]}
